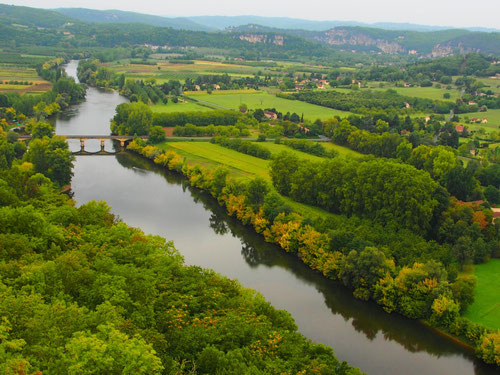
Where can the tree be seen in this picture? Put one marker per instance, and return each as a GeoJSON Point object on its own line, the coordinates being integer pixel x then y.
{"type": "Point", "coordinates": [459, 182]}
{"type": "Point", "coordinates": [131, 119]}
{"type": "Point", "coordinates": [463, 251]}
{"type": "Point", "coordinates": [463, 290]}
{"type": "Point", "coordinates": [282, 167]}
{"type": "Point", "coordinates": [364, 269]}
{"type": "Point", "coordinates": [109, 352]}
{"type": "Point", "coordinates": [492, 194]}
{"type": "Point", "coordinates": [52, 158]}
{"type": "Point", "coordinates": [259, 115]}
{"type": "Point", "coordinates": [256, 191]}
{"type": "Point", "coordinates": [42, 129]}
{"type": "Point", "coordinates": [156, 134]}
{"type": "Point", "coordinates": [403, 151]}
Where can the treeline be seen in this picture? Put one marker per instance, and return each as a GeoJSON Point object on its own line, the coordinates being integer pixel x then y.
{"type": "Point", "coordinates": [441, 161]}
{"type": "Point", "coordinates": [439, 70]}
{"type": "Point", "coordinates": [382, 190]}
{"type": "Point", "coordinates": [190, 130]}
{"type": "Point", "coordinates": [210, 82]}
{"type": "Point", "coordinates": [136, 302]}
{"type": "Point", "coordinates": [362, 101]}
{"type": "Point", "coordinates": [92, 74]}
{"type": "Point", "coordinates": [199, 118]}
{"type": "Point", "coordinates": [47, 155]}
{"type": "Point", "coordinates": [245, 147]}
{"type": "Point", "coordinates": [417, 285]}
{"type": "Point", "coordinates": [313, 148]}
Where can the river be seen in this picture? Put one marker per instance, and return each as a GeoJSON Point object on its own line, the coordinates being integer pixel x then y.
{"type": "Point", "coordinates": [162, 203]}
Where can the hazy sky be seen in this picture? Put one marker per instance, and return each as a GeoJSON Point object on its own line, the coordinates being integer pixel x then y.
{"type": "Point", "coordinates": [458, 13]}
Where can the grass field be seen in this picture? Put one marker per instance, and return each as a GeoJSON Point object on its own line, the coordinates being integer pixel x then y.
{"type": "Point", "coordinates": [486, 306]}
{"type": "Point", "coordinates": [492, 84]}
{"type": "Point", "coordinates": [417, 92]}
{"type": "Point", "coordinates": [240, 165]}
{"type": "Point", "coordinates": [342, 151]}
{"type": "Point", "coordinates": [493, 116]}
{"type": "Point", "coordinates": [264, 100]}
{"type": "Point", "coordinates": [178, 107]}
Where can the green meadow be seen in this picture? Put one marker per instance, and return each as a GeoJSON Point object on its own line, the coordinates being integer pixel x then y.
{"type": "Point", "coordinates": [178, 107]}
{"type": "Point", "coordinates": [433, 93]}
{"type": "Point", "coordinates": [492, 115]}
{"type": "Point", "coordinates": [342, 151]}
{"type": "Point", "coordinates": [263, 100]}
{"type": "Point", "coordinates": [240, 165]}
{"type": "Point", "coordinates": [486, 306]}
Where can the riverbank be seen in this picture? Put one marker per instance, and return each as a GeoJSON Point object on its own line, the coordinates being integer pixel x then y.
{"type": "Point", "coordinates": [305, 242]}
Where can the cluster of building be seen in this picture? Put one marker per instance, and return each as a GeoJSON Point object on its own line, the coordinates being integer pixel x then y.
{"type": "Point", "coordinates": [320, 83]}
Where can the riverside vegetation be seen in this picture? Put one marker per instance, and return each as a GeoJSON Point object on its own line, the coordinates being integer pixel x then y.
{"type": "Point", "coordinates": [397, 268]}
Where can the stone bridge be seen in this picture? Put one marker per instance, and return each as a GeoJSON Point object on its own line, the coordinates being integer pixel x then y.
{"type": "Point", "coordinates": [123, 139]}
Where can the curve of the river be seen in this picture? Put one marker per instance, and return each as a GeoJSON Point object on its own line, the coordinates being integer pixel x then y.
{"type": "Point", "coordinates": [162, 203]}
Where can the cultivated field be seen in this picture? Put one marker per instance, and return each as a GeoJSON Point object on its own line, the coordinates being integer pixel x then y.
{"type": "Point", "coordinates": [164, 71]}
{"type": "Point", "coordinates": [264, 100]}
{"type": "Point", "coordinates": [486, 306]}
{"type": "Point", "coordinates": [9, 73]}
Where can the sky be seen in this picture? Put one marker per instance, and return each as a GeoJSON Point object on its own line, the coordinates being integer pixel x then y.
{"type": "Point", "coordinates": [456, 13]}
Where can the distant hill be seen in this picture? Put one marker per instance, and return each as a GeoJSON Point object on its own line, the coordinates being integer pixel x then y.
{"type": "Point", "coordinates": [431, 43]}
{"type": "Point", "coordinates": [223, 22]}
{"type": "Point", "coordinates": [89, 28]}
{"type": "Point", "coordinates": [118, 16]}
{"type": "Point", "coordinates": [33, 17]}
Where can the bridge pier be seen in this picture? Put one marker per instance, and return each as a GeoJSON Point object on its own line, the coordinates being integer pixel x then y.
{"type": "Point", "coordinates": [123, 139]}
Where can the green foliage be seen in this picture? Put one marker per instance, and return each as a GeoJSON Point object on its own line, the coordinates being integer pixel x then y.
{"type": "Point", "coordinates": [281, 169]}
{"type": "Point", "coordinates": [42, 129]}
{"type": "Point", "coordinates": [131, 119]}
{"type": "Point", "coordinates": [190, 130]}
{"type": "Point", "coordinates": [198, 118]}
{"type": "Point", "coordinates": [156, 134]}
{"type": "Point", "coordinates": [460, 182]}
{"type": "Point", "coordinates": [245, 147]}
{"type": "Point", "coordinates": [256, 192]}
{"type": "Point", "coordinates": [51, 157]}
{"type": "Point", "coordinates": [379, 189]}
{"type": "Point", "coordinates": [313, 148]}
{"type": "Point", "coordinates": [362, 100]}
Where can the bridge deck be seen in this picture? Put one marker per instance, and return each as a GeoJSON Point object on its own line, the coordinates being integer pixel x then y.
{"type": "Point", "coordinates": [85, 137]}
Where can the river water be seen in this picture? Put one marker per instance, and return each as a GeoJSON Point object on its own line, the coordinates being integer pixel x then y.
{"type": "Point", "coordinates": [162, 203]}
